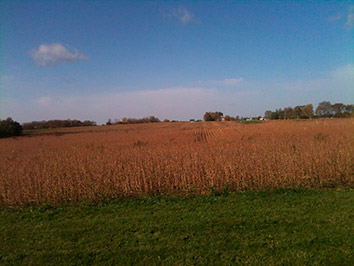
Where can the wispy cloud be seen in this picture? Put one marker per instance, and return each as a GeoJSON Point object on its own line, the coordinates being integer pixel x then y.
{"type": "Point", "coordinates": [344, 72]}
{"type": "Point", "coordinates": [335, 18]}
{"type": "Point", "coordinates": [44, 101]}
{"type": "Point", "coordinates": [350, 18]}
{"type": "Point", "coordinates": [227, 82]}
{"type": "Point", "coordinates": [55, 54]}
{"type": "Point", "coordinates": [173, 103]}
{"type": "Point", "coordinates": [184, 15]}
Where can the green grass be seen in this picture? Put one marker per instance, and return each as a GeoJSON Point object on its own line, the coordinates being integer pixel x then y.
{"type": "Point", "coordinates": [252, 122]}
{"type": "Point", "coordinates": [286, 227]}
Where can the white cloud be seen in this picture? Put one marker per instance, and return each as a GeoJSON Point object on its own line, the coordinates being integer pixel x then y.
{"type": "Point", "coordinates": [227, 82]}
{"type": "Point", "coordinates": [55, 53]}
{"type": "Point", "coordinates": [344, 72]}
{"type": "Point", "coordinates": [183, 103]}
{"type": "Point", "coordinates": [174, 103]}
{"type": "Point", "coordinates": [184, 15]}
{"type": "Point", "coordinates": [44, 101]}
{"type": "Point", "coordinates": [350, 18]}
{"type": "Point", "coordinates": [336, 81]}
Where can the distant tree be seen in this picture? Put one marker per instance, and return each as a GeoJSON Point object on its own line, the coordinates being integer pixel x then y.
{"type": "Point", "coordinates": [132, 121]}
{"type": "Point", "coordinates": [288, 113]}
{"type": "Point", "coordinates": [9, 128]}
{"type": "Point", "coordinates": [227, 118]}
{"type": "Point", "coordinates": [275, 115]}
{"type": "Point", "coordinates": [88, 123]}
{"type": "Point", "coordinates": [57, 124]}
{"type": "Point", "coordinates": [153, 119]}
{"type": "Point", "coordinates": [349, 110]}
{"type": "Point", "coordinates": [109, 122]}
{"type": "Point", "coordinates": [268, 114]}
{"type": "Point", "coordinates": [212, 116]}
{"type": "Point", "coordinates": [338, 109]}
{"type": "Point", "coordinates": [150, 119]}
{"type": "Point", "coordinates": [281, 114]}
{"type": "Point", "coordinates": [207, 116]}
{"type": "Point", "coordinates": [307, 111]}
{"type": "Point", "coordinates": [298, 111]}
{"type": "Point", "coordinates": [324, 109]}
{"type": "Point", "coordinates": [166, 120]}
{"type": "Point", "coordinates": [217, 116]}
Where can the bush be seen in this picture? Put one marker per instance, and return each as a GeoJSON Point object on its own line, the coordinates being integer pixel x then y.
{"type": "Point", "coordinates": [9, 128]}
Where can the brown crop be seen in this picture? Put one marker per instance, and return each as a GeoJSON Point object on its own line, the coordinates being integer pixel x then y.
{"type": "Point", "coordinates": [95, 163]}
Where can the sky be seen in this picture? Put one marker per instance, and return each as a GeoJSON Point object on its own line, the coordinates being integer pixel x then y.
{"type": "Point", "coordinates": [95, 60]}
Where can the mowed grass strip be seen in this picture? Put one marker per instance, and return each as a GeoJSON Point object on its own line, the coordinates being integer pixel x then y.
{"type": "Point", "coordinates": [284, 227]}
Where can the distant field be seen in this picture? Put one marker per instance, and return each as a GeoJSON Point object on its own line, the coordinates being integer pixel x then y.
{"type": "Point", "coordinates": [95, 163]}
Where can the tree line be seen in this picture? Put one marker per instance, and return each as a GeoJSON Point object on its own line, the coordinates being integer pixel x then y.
{"type": "Point", "coordinates": [125, 120]}
{"type": "Point", "coordinates": [56, 124]}
{"type": "Point", "coordinates": [324, 110]}
{"type": "Point", "coordinates": [219, 116]}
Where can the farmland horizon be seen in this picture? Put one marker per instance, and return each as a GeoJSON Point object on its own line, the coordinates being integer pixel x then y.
{"type": "Point", "coordinates": [324, 109]}
{"type": "Point", "coordinates": [196, 114]}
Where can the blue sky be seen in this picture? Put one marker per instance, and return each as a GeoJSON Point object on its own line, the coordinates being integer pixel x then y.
{"type": "Point", "coordinates": [111, 59]}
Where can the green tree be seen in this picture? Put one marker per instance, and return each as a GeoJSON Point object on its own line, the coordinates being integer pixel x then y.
{"type": "Point", "coordinates": [109, 122]}
{"type": "Point", "coordinates": [275, 115]}
{"type": "Point", "coordinates": [9, 128]}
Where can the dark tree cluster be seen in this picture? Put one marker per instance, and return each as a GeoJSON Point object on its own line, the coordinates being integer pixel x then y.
{"type": "Point", "coordinates": [298, 112]}
{"type": "Point", "coordinates": [125, 120]}
{"type": "Point", "coordinates": [324, 109]}
{"type": "Point", "coordinates": [57, 124]}
{"type": "Point", "coordinates": [9, 128]}
{"type": "Point", "coordinates": [219, 116]}
{"type": "Point", "coordinates": [213, 116]}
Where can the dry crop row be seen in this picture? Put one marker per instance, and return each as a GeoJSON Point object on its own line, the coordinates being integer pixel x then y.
{"type": "Point", "coordinates": [174, 158]}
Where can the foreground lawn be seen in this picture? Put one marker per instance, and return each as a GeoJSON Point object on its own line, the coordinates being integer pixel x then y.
{"type": "Point", "coordinates": [289, 227]}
